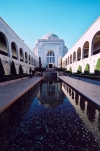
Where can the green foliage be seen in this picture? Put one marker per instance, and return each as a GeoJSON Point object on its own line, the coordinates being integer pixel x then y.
{"type": "Point", "coordinates": [33, 72]}
{"type": "Point", "coordinates": [97, 68]}
{"type": "Point", "coordinates": [30, 70]}
{"type": "Point", "coordinates": [87, 69]}
{"type": "Point", "coordinates": [39, 62]}
{"type": "Point", "coordinates": [40, 69]}
{"type": "Point", "coordinates": [79, 69]}
{"type": "Point", "coordinates": [70, 69]}
{"type": "Point", "coordinates": [98, 65]}
{"type": "Point", "coordinates": [13, 69]}
{"type": "Point", "coordinates": [61, 63]}
{"type": "Point", "coordinates": [2, 72]}
{"type": "Point", "coordinates": [20, 69]}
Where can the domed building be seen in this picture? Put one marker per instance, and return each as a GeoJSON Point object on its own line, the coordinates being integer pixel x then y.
{"type": "Point", "coordinates": [51, 49]}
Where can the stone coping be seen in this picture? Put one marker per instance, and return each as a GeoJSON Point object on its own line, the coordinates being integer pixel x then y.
{"type": "Point", "coordinates": [9, 93]}
{"type": "Point", "coordinates": [88, 90]}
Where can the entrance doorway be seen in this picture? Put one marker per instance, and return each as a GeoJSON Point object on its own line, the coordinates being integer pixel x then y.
{"type": "Point", "coordinates": [50, 65]}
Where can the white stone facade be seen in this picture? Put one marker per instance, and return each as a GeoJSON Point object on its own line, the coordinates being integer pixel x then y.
{"type": "Point", "coordinates": [85, 51]}
{"type": "Point", "coordinates": [51, 49]}
{"type": "Point", "coordinates": [13, 48]}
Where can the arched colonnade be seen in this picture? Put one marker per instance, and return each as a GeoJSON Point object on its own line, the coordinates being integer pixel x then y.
{"type": "Point", "coordinates": [9, 51]}
{"type": "Point", "coordinates": [86, 50]}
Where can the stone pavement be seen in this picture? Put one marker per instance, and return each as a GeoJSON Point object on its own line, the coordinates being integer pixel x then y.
{"type": "Point", "coordinates": [11, 91]}
{"type": "Point", "coordinates": [89, 90]}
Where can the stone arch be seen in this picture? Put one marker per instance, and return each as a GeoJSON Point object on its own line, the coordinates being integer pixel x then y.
{"type": "Point", "coordinates": [70, 58]}
{"type": "Point", "coordinates": [26, 57]}
{"type": "Point", "coordinates": [86, 50]}
{"type": "Point", "coordinates": [79, 54]}
{"type": "Point", "coordinates": [66, 62]}
{"type": "Point", "coordinates": [32, 60]}
{"type": "Point", "coordinates": [14, 50]}
{"type": "Point", "coordinates": [3, 45]}
{"type": "Point", "coordinates": [29, 59]}
{"type": "Point", "coordinates": [50, 56]}
{"type": "Point", "coordinates": [74, 56]}
{"type": "Point", "coordinates": [96, 43]}
{"type": "Point", "coordinates": [21, 55]}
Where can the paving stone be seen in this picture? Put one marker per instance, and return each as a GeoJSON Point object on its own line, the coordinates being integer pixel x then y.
{"type": "Point", "coordinates": [89, 90]}
{"type": "Point", "coordinates": [11, 91]}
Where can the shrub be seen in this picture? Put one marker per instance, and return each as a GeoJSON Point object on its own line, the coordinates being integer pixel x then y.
{"type": "Point", "coordinates": [2, 72]}
{"type": "Point", "coordinates": [13, 69]}
{"type": "Point", "coordinates": [60, 69]}
{"type": "Point", "coordinates": [87, 69]}
{"type": "Point", "coordinates": [97, 68]}
{"type": "Point", "coordinates": [20, 69]}
{"type": "Point", "coordinates": [79, 69]}
{"type": "Point", "coordinates": [40, 69]}
{"type": "Point", "coordinates": [70, 69]}
{"type": "Point", "coordinates": [30, 70]}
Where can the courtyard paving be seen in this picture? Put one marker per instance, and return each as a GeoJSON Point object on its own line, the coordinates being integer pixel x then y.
{"type": "Point", "coordinates": [12, 90]}
{"type": "Point", "coordinates": [90, 90]}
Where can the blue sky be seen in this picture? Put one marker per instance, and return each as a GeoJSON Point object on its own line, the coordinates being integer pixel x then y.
{"type": "Point", "coordinates": [31, 19]}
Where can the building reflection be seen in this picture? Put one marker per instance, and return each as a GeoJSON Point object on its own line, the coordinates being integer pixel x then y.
{"type": "Point", "coordinates": [50, 94]}
{"type": "Point", "coordinates": [76, 98]}
{"type": "Point", "coordinates": [72, 94]}
{"type": "Point", "coordinates": [82, 104]}
{"type": "Point", "coordinates": [99, 122]}
{"type": "Point", "coordinates": [88, 113]}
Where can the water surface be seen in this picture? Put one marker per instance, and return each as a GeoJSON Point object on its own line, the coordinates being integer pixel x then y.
{"type": "Point", "coordinates": [51, 116]}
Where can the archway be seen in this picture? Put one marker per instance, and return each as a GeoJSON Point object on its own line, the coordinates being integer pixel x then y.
{"type": "Point", "coordinates": [26, 57]}
{"type": "Point", "coordinates": [50, 59]}
{"type": "Point", "coordinates": [70, 58]}
{"type": "Point", "coordinates": [14, 50]}
{"type": "Point", "coordinates": [86, 50]}
{"type": "Point", "coordinates": [79, 54]}
{"type": "Point", "coordinates": [96, 43]}
{"type": "Point", "coordinates": [29, 59]}
{"type": "Point", "coordinates": [21, 54]}
{"type": "Point", "coordinates": [3, 45]}
{"type": "Point", "coordinates": [66, 61]}
{"type": "Point", "coordinates": [74, 56]}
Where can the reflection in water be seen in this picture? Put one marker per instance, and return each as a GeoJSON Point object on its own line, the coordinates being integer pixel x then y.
{"type": "Point", "coordinates": [87, 112]}
{"type": "Point", "coordinates": [50, 94]}
{"type": "Point", "coordinates": [39, 121]}
{"type": "Point", "coordinates": [70, 91]}
{"type": "Point", "coordinates": [90, 112]}
{"type": "Point", "coordinates": [76, 98]}
{"type": "Point", "coordinates": [99, 122]}
{"type": "Point", "coordinates": [72, 94]}
{"type": "Point", "coordinates": [82, 104]}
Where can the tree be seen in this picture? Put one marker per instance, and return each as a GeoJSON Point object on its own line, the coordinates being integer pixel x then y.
{"type": "Point", "coordinates": [40, 62]}
{"type": "Point", "coordinates": [87, 69]}
{"type": "Point", "coordinates": [13, 69]}
{"type": "Point", "coordinates": [97, 68]}
{"type": "Point", "coordinates": [2, 72]}
{"type": "Point", "coordinates": [61, 62]}
{"type": "Point", "coordinates": [20, 69]}
{"type": "Point", "coordinates": [79, 69]}
{"type": "Point", "coordinates": [70, 69]}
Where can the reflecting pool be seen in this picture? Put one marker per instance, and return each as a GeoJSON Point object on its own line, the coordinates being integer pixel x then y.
{"type": "Point", "coordinates": [50, 117]}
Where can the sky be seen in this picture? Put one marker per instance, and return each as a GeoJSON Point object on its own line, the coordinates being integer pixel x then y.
{"type": "Point", "coordinates": [31, 19]}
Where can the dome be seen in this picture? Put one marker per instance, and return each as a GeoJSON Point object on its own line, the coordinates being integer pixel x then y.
{"type": "Point", "coordinates": [50, 36]}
